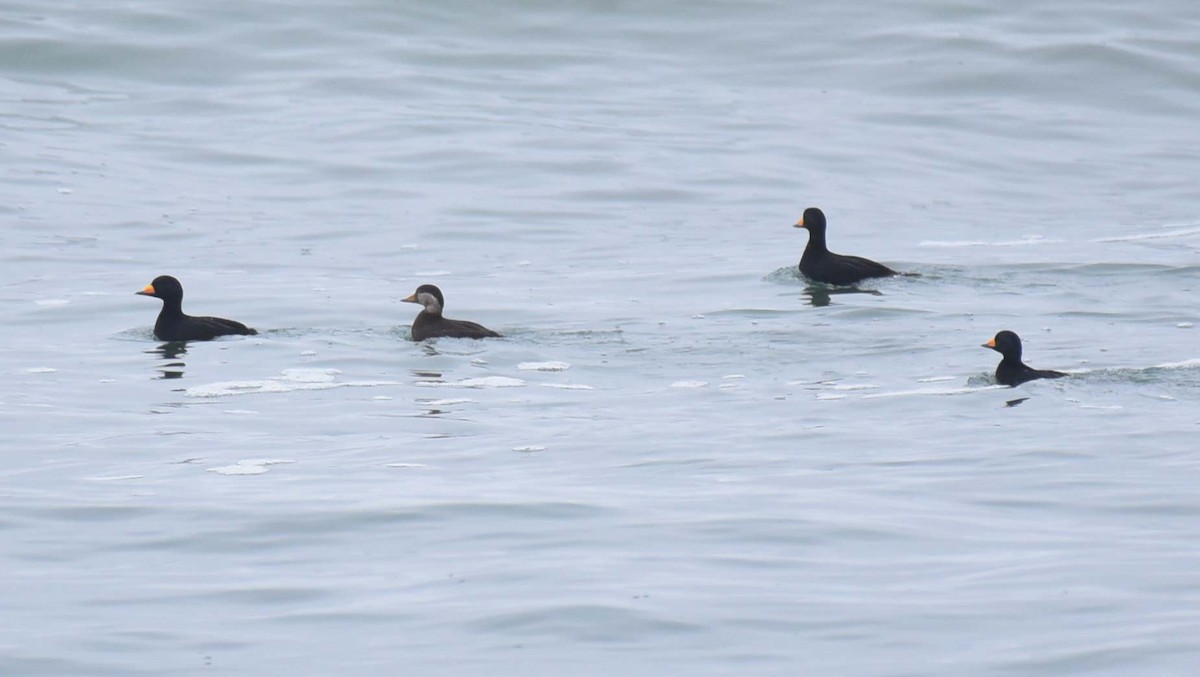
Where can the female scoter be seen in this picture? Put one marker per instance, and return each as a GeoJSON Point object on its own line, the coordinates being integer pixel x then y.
{"type": "Point", "coordinates": [822, 265]}
{"type": "Point", "coordinates": [1012, 371]}
{"type": "Point", "coordinates": [173, 325]}
{"type": "Point", "coordinates": [431, 324]}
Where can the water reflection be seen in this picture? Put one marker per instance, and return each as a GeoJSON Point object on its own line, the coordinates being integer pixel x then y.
{"type": "Point", "coordinates": [820, 296]}
{"type": "Point", "coordinates": [170, 353]}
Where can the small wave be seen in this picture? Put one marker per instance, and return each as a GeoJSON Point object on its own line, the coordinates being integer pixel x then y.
{"type": "Point", "coordinates": [1184, 232]}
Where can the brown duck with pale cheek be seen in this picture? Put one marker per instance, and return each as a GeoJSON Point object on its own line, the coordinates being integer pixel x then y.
{"type": "Point", "coordinates": [431, 324]}
{"type": "Point", "coordinates": [174, 325]}
{"type": "Point", "coordinates": [821, 265]}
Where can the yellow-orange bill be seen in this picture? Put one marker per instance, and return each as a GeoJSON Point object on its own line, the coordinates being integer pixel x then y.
{"type": "Point", "coordinates": [148, 289]}
{"type": "Point", "coordinates": [412, 298]}
{"type": "Point", "coordinates": [990, 344]}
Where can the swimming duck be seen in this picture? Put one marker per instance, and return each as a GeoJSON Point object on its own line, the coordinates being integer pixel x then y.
{"type": "Point", "coordinates": [174, 325]}
{"type": "Point", "coordinates": [822, 265]}
{"type": "Point", "coordinates": [431, 324]}
{"type": "Point", "coordinates": [1012, 371]}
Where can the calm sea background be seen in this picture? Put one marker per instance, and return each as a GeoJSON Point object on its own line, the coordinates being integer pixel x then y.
{"type": "Point", "coordinates": [681, 460]}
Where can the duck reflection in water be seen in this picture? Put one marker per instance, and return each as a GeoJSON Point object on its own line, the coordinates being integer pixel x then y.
{"type": "Point", "coordinates": [170, 353]}
{"type": "Point", "coordinates": [820, 295]}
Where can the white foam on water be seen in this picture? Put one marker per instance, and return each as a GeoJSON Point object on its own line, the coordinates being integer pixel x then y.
{"type": "Point", "coordinates": [854, 386]}
{"type": "Point", "coordinates": [1185, 232]}
{"type": "Point", "coordinates": [1186, 364]}
{"type": "Point", "coordinates": [480, 382]}
{"type": "Point", "coordinates": [936, 379]}
{"type": "Point", "coordinates": [689, 384]}
{"type": "Point", "coordinates": [543, 366]}
{"type": "Point", "coordinates": [934, 391]}
{"type": "Point", "coordinates": [530, 448]}
{"type": "Point", "coordinates": [828, 396]}
{"type": "Point", "coordinates": [40, 370]}
{"type": "Point", "coordinates": [114, 478]}
{"type": "Point", "coordinates": [405, 465]}
{"type": "Point", "coordinates": [250, 466]}
{"type": "Point", "coordinates": [239, 470]}
{"type": "Point", "coordinates": [1023, 242]}
{"type": "Point", "coordinates": [291, 380]}
{"type": "Point", "coordinates": [311, 375]}
{"type": "Point", "coordinates": [1185, 325]}
{"type": "Point", "coordinates": [443, 403]}
{"type": "Point", "coordinates": [568, 386]}
{"type": "Point", "coordinates": [733, 376]}
{"type": "Point", "coordinates": [241, 412]}
{"type": "Point", "coordinates": [432, 273]}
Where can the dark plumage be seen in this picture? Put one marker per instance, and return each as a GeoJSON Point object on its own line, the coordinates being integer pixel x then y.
{"type": "Point", "coordinates": [431, 324]}
{"type": "Point", "coordinates": [174, 325]}
{"type": "Point", "coordinates": [822, 265]}
{"type": "Point", "coordinates": [1012, 371]}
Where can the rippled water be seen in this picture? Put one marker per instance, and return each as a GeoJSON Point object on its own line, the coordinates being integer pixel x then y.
{"type": "Point", "coordinates": [682, 459]}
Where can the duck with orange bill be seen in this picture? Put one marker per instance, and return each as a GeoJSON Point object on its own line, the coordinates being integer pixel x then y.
{"type": "Point", "coordinates": [174, 325]}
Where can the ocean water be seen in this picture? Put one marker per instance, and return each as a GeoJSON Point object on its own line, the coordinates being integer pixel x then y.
{"type": "Point", "coordinates": [682, 459]}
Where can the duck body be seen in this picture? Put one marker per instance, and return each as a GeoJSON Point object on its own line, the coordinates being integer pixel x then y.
{"type": "Point", "coordinates": [821, 265]}
{"type": "Point", "coordinates": [175, 325]}
{"type": "Point", "coordinates": [431, 324]}
{"type": "Point", "coordinates": [1011, 370]}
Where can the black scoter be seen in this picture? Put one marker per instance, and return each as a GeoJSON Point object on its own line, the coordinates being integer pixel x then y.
{"type": "Point", "coordinates": [174, 325]}
{"type": "Point", "coordinates": [1012, 371]}
{"type": "Point", "coordinates": [431, 324]}
{"type": "Point", "coordinates": [822, 265]}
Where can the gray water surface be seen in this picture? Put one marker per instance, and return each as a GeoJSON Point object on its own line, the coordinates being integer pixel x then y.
{"type": "Point", "coordinates": [682, 459]}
